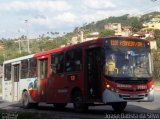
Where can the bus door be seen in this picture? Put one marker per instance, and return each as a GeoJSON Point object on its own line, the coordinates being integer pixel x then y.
{"type": "Point", "coordinates": [42, 77]}
{"type": "Point", "coordinates": [15, 81]}
{"type": "Point", "coordinates": [93, 73]}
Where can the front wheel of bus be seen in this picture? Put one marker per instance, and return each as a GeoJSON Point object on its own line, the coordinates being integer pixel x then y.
{"type": "Point", "coordinates": [79, 106]}
{"type": "Point", "coordinates": [119, 106]}
{"type": "Point", "coordinates": [25, 100]}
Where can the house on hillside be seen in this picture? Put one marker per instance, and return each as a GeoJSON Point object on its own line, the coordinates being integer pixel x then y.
{"type": "Point", "coordinates": [115, 27]}
{"type": "Point", "coordinates": [153, 24]}
{"type": "Point", "coordinates": [2, 46]}
{"type": "Point", "coordinates": [153, 43]}
{"type": "Point", "coordinates": [87, 37]}
{"type": "Point", "coordinates": [119, 29]}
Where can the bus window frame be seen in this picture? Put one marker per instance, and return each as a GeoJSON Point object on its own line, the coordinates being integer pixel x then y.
{"type": "Point", "coordinates": [54, 71]}
{"type": "Point", "coordinates": [22, 68]}
{"type": "Point", "coordinates": [73, 62]}
{"type": "Point", "coordinates": [7, 73]}
{"type": "Point", "coordinates": [41, 69]}
{"type": "Point", "coordinates": [30, 61]}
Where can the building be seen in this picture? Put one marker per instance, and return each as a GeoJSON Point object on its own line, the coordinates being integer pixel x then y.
{"type": "Point", "coordinates": [119, 29]}
{"type": "Point", "coordinates": [153, 24]}
{"type": "Point", "coordinates": [83, 38]}
{"type": "Point", "coordinates": [91, 36]}
{"type": "Point", "coordinates": [126, 31]}
{"type": "Point", "coordinates": [115, 27]}
{"type": "Point", "coordinates": [153, 43]}
{"type": "Point", "coordinates": [2, 46]}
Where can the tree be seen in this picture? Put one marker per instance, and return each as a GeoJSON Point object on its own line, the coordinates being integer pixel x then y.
{"type": "Point", "coordinates": [157, 36]}
{"type": "Point", "coordinates": [136, 24]}
{"type": "Point", "coordinates": [106, 32]}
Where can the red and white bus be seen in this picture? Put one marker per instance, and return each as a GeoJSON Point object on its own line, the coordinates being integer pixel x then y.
{"type": "Point", "coordinates": [111, 70]}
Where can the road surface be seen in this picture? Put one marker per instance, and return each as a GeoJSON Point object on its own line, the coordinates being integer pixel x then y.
{"type": "Point", "coordinates": [134, 110]}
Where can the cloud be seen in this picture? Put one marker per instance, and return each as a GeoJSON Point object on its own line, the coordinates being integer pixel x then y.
{"type": "Point", "coordinates": [99, 4]}
{"type": "Point", "coordinates": [52, 22]}
{"type": "Point", "coordinates": [35, 5]}
{"type": "Point", "coordinates": [66, 17]}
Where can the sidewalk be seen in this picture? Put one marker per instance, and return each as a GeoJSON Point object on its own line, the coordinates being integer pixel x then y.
{"type": "Point", "coordinates": [157, 88]}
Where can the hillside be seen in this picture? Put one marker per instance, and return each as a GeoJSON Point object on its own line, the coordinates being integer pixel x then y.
{"type": "Point", "coordinates": [46, 42]}
{"type": "Point", "coordinates": [125, 20]}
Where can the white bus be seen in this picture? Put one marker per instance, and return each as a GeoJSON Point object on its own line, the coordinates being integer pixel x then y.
{"type": "Point", "coordinates": [18, 74]}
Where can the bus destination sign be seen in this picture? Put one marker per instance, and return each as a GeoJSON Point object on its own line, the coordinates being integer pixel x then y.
{"type": "Point", "coordinates": [126, 43]}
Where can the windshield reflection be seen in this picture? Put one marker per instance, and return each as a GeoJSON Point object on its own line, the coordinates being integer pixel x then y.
{"type": "Point", "coordinates": [127, 63]}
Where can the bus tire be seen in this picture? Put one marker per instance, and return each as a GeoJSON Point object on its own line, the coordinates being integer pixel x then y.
{"type": "Point", "coordinates": [78, 104]}
{"type": "Point", "coordinates": [119, 106]}
{"type": "Point", "coordinates": [60, 105]}
{"type": "Point", "coordinates": [34, 105]}
{"type": "Point", "coordinates": [25, 100]}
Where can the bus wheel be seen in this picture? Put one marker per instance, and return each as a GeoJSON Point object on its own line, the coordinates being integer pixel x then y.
{"type": "Point", "coordinates": [25, 100]}
{"type": "Point", "coordinates": [60, 105]}
{"type": "Point", "coordinates": [79, 106]}
{"type": "Point", "coordinates": [34, 105]}
{"type": "Point", "coordinates": [119, 106]}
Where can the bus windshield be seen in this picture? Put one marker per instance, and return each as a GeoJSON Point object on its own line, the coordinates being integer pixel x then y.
{"type": "Point", "coordinates": [128, 62]}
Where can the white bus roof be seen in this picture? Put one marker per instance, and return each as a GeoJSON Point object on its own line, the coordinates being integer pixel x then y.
{"type": "Point", "coordinates": [18, 59]}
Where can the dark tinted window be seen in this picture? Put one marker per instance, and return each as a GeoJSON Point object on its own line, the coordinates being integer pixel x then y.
{"type": "Point", "coordinates": [16, 72]}
{"type": "Point", "coordinates": [32, 67]}
{"type": "Point", "coordinates": [57, 63]}
{"type": "Point", "coordinates": [7, 72]}
{"type": "Point", "coordinates": [24, 69]}
{"type": "Point", "coordinates": [74, 60]}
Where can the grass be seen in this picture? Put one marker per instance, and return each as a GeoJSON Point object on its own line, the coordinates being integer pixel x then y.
{"type": "Point", "coordinates": [157, 83]}
{"type": "Point", "coordinates": [0, 89]}
{"type": "Point", "coordinates": [27, 115]}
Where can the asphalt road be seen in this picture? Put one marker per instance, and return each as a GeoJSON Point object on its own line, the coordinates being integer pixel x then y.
{"type": "Point", "coordinates": [134, 110]}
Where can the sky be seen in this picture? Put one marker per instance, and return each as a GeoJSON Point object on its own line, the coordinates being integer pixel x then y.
{"type": "Point", "coordinates": [37, 17]}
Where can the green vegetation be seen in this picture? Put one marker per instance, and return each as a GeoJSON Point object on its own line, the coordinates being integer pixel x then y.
{"type": "Point", "coordinates": [36, 45]}
{"type": "Point", "coordinates": [106, 32]}
{"type": "Point", "coordinates": [156, 62]}
{"type": "Point", "coordinates": [157, 37]}
{"type": "Point", "coordinates": [0, 89]}
{"type": "Point", "coordinates": [36, 116]}
{"type": "Point", "coordinates": [27, 115]}
{"type": "Point", "coordinates": [157, 83]}
{"type": "Point", "coordinates": [52, 40]}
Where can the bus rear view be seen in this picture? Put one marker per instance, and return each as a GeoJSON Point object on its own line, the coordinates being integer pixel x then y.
{"type": "Point", "coordinates": [127, 72]}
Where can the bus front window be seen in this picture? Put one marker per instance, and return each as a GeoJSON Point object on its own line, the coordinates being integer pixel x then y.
{"type": "Point", "coordinates": [127, 63]}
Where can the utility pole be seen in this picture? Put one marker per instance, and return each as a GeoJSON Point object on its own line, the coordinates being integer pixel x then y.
{"type": "Point", "coordinates": [28, 42]}
{"type": "Point", "coordinates": [19, 41]}
{"type": "Point", "coordinates": [81, 36]}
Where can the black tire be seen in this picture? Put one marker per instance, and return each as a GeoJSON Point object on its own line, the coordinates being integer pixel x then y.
{"type": "Point", "coordinates": [79, 105]}
{"type": "Point", "coordinates": [34, 105]}
{"type": "Point", "coordinates": [119, 106]}
{"type": "Point", "coordinates": [25, 100]}
{"type": "Point", "coordinates": [60, 105]}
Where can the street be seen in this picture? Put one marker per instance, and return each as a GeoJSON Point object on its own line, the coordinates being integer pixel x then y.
{"type": "Point", "coordinates": [133, 110]}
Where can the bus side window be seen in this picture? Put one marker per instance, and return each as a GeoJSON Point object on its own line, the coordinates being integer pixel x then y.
{"type": "Point", "coordinates": [57, 63]}
{"type": "Point", "coordinates": [7, 72]}
{"type": "Point", "coordinates": [74, 60]}
{"type": "Point", "coordinates": [32, 67]}
{"type": "Point", "coordinates": [24, 69]}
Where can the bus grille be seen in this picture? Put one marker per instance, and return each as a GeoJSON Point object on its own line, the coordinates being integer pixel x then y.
{"type": "Point", "coordinates": [133, 97]}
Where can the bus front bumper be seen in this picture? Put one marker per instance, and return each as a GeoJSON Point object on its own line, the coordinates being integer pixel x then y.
{"type": "Point", "coordinates": [110, 96]}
